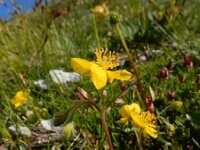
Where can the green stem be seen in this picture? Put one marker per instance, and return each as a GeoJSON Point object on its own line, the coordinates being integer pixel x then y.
{"type": "Point", "coordinates": [138, 137]}
{"type": "Point", "coordinates": [33, 107]}
{"type": "Point", "coordinates": [133, 64]}
{"type": "Point", "coordinates": [96, 32]}
{"type": "Point", "coordinates": [91, 103]}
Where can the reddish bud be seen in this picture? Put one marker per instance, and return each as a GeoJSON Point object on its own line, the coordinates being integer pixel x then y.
{"type": "Point", "coordinates": [164, 73]}
{"type": "Point", "coordinates": [170, 95]}
{"type": "Point", "coordinates": [123, 86]}
{"type": "Point", "coordinates": [181, 78]}
{"type": "Point", "coordinates": [187, 60]}
{"type": "Point", "coordinates": [78, 94]}
{"type": "Point", "coordinates": [82, 94]}
{"type": "Point", "coordinates": [149, 103]}
{"type": "Point", "coordinates": [169, 65]}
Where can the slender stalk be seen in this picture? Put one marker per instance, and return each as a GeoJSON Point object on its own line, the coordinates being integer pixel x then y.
{"type": "Point", "coordinates": [133, 64]}
{"type": "Point", "coordinates": [35, 111]}
{"type": "Point", "coordinates": [138, 137]}
{"type": "Point", "coordinates": [96, 32]}
{"type": "Point", "coordinates": [105, 126]}
{"type": "Point", "coordinates": [103, 118]}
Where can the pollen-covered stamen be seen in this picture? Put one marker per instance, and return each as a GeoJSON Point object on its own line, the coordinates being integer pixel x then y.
{"type": "Point", "coordinates": [150, 118]}
{"type": "Point", "coordinates": [107, 59]}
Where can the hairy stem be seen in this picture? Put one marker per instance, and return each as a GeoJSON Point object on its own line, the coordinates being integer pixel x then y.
{"type": "Point", "coordinates": [105, 126]}
{"type": "Point", "coordinates": [133, 64]}
{"type": "Point", "coordinates": [96, 32]}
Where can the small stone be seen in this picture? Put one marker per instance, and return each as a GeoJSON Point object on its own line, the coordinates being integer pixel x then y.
{"type": "Point", "coordinates": [19, 130]}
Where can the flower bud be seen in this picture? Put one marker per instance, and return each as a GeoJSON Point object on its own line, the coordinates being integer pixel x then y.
{"type": "Point", "coordinates": [170, 95]}
{"type": "Point", "coordinates": [114, 18]}
{"type": "Point", "coordinates": [123, 86]}
{"type": "Point", "coordinates": [150, 105]}
{"type": "Point", "coordinates": [78, 94]}
{"type": "Point", "coordinates": [178, 104]}
{"type": "Point", "coordinates": [181, 78]}
{"type": "Point", "coordinates": [169, 65]}
{"type": "Point", "coordinates": [105, 93]}
{"type": "Point", "coordinates": [29, 114]}
{"type": "Point", "coordinates": [68, 130]}
{"type": "Point", "coordinates": [187, 60]}
{"type": "Point", "coordinates": [164, 73]}
{"type": "Point", "coordinates": [82, 94]}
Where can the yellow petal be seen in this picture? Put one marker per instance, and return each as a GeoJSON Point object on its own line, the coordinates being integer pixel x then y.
{"type": "Point", "coordinates": [126, 110]}
{"type": "Point", "coordinates": [123, 120]}
{"type": "Point", "coordinates": [151, 131]}
{"type": "Point", "coordinates": [98, 75]}
{"type": "Point", "coordinates": [135, 108]}
{"type": "Point", "coordinates": [138, 121]}
{"type": "Point", "coordinates": [81, 66]}
{"type": "Point", "coordinates": [143, 124]}
{"type": "Point", "coordinates": [119, 74]}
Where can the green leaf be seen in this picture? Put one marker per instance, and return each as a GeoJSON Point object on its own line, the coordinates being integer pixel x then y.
{"type": "Point", "coordinates": [60, 118]}
{"type": "Point", "coordinates": [66, 116]}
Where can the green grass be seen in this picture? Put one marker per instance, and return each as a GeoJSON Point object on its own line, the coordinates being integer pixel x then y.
{"type": "Point", "coordinates": [32, 44]}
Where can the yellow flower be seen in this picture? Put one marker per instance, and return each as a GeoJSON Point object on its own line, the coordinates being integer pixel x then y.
{"type": "Point", "coordinates": [101, 9]}
{"type": "Point", "coordinates": [20, 98]}
{"type": "Point", "coordinates": [143, 120]}
{"type": "Point", "coordinates": [126, 110]}
{"type": "Point", "coordinates": [178, 104]}
{"type": "Point", "coordinates": [100, 70]}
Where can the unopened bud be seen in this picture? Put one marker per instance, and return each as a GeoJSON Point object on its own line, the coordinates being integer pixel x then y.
{"type": "Point", "coordinates": [78, 94]}
{"type": "Point", "coordinates": [182, 79]}
{"type": "Point", "coordinates": [83, 93]}
{"type": "Point", "coordinates": [68, 130]}
{"type": "Point", "coordinates": [164, 73]}
{"type": "Point", "coordinates": [169, 65]}
{"type": "Point", "coordinates": [187, 60]}
{"type": "Point", "coordinates": [150, 105]}
{"type": "Point", "coordinates": [170, 95]}
{"type": "Point", "coordinates": [104, 93]}
{"type": "Point", "coordinates": [114, 18]}
{"type": "Point", "coordinates": [178, 104]}
{"type": "Point", "coordinates": [29, 114]}
{"type": "Point", "coordinates": [123, 86]}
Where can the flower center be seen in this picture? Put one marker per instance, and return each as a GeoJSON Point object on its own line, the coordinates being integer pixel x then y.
{"type": "Point", "coordinates": [150, 118]}
{"type": "Point", "coordinates": [107, 59]}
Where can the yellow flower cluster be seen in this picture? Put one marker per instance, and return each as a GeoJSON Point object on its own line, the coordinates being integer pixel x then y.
{"type": "Point", "coordinates": [143, 120]}
{"type": "Point", "coordinates": [20, 98]}
{"type": "Point", "coordinates": [100, 70]}
{"type": "Point", "coordinates": [101, 9]}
